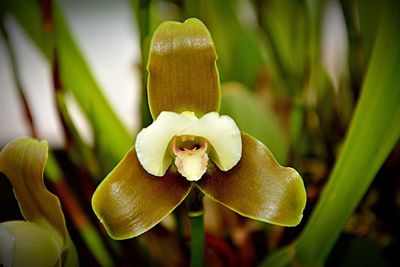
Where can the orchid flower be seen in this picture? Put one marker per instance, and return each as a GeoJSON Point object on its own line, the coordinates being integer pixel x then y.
{"type": "Point", "coordinates": [42, 239]}
{"type": "Point", "coordinates": [190, 145]}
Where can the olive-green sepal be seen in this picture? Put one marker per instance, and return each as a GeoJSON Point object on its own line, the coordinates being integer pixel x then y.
{"type": "Point", "coordinates": [258, 187]}
{"type": "Point", "coordinates": [130, 201]}
{"type": "Point", "coordinates": [183, 75]}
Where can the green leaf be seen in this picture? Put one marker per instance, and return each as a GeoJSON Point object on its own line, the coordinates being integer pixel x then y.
{"type": "Point", "coordinates": [87, 230]}
{"type": "Point", "coordinates": [241, 57]}
{"type": "Point", "coordinates": [253, 117]}
{"type": "Point", "coordinates": [373, 133]}
{"type": "Point", "coordinates": [182, 72]}
{"type": "Point", "coordinates": [112, 138]}
{"type": "Point", "coordinates": [23, 161]}
{"type": "Point", "coordinates": [258, 187]}
{"type": "Point", "coordinates": [285, 25]}
{"type": "Point", "coordinates": [29, 16]}
{"type": "Point", "coordinates": [130, 201]}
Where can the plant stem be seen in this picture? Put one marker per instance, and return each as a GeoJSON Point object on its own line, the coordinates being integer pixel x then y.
{"type": "Point", "coordinates": [197, 243]}
{"type": "Point", "coordinates": [196, 214]}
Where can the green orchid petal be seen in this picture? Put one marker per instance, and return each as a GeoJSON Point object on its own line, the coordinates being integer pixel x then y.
{"type": "Point", "coordinates": [182, 71]}
{"type": "Point", "coordinates": [23, 161]}
{"type": "Point", "coordinates": [130, 201]}
{"type": "Point", "coordinates": [258, 187]}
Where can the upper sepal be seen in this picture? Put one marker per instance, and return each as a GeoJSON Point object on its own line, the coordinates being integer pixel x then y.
{"type": "Point", "coordinates": [182, 69]}
{"type": "Point", "coordinates": [258, 187]}
{"type": "Point", "coordinates": [130, 201]}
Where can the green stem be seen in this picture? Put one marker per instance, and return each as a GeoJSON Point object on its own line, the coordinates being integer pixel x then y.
{"type": "Point", "coordinates": [196, 214]}
{"type": "Point", "coordinates": [197, 243]}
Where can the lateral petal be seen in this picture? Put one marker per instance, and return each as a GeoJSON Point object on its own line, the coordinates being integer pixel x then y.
{"type": "Point", "coordinates": [130, 201]}
{"type": "Point", "coordinates": [258, 187]}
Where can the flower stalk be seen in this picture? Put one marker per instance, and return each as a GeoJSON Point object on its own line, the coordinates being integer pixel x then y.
{"type": "Point", "coordinates": [194, 204]}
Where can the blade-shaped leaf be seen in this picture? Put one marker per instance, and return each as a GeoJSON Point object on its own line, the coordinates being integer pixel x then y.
{"type": "Point", "coordinates": [29, 16]}
{"type": "Point", "coordinates": [258, 187]}
{"type": "Point", "coordinates": [239, 46]}
{"type": "Point", "coordinates": [76, 77]}
{"type": "Point", "coordinates": [130, 201]}
{"type": "Point", "coordinates": [373, 133]}
{"type": "Point", "coordinates": [288, 45]}
{"type": "Point", "coordinates": [182, 72]}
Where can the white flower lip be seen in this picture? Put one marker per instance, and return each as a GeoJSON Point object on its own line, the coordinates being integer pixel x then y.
{"type": "Point", "coordinates": [221, 132]}
{"type": "Point", "coordinates": [191, 159]}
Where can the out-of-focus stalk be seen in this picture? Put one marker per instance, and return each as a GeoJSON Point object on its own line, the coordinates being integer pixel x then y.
{"type": "Point", "coordinates": [17, 79]}
{"type": "Point", "coordinates": [86, 229]}
{"type": "Point", "coordinates": [141, 11]}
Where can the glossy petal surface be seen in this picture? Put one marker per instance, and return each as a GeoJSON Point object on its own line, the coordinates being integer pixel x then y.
{"type": "Point", "coordinates": [152, 142]}
{"type": "Point", "coordinates": [130, 201]}
{"type": "Point", "coordinates": [182, 70]}
{"type": "Point", "coordinates": [223, 134]}
{"type": "Point", "coordinates": [258, 187]}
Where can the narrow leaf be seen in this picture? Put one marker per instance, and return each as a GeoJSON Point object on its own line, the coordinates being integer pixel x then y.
{"type": "Point", "coordinates": [241, 57]}
{"type": "Point", "coordinates": [112, 138]}
{"type": "Point", "coordinates": [373, 133]}
{"type": "Point", "coordinates": [76, 77]}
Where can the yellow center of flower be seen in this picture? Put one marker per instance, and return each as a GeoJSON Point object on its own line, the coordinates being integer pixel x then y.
{"type": "Point", "coordinates": [191, 158]}
{"type": "Point", "coordinates": [190, 138]}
